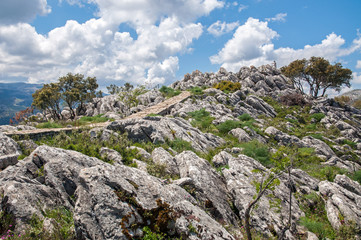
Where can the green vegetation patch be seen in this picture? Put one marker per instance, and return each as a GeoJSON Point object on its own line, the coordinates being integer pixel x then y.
{"type": "Point", "coordinates": [228, 86]}
{"type": "Point", "coordinates": [169, 92]}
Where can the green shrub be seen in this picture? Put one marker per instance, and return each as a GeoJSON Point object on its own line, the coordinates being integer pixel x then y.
{"type": "Point", "coordinates": [350, 143]}
{"type": "Point", "coordinates": [96, 119]}
{"type": "Point", "coordinates": [318, 116]}
{"type": "Point", "coordinates": [196, 91]}
{"type": "Point", "coordinates": [49, 125]}
{"type": "Point", "coordinates": [245, 117]}
{"type": "Point", "coordinates": [356, 176]}
{"type": "Point", "coordinates": [149, 235]}
{"type": "Point", "coordinates": [61, 219]}
{"type": "Point", "coordinates": [202, 119]}
{"type": "Point", "coordinates": [316, 220]}
{"type": "Point", "coordinates": [227, 126]}
{"type": "Point", "coordinates": [227, 86]}
{"type": "Point", "coordinates": [90, 146]}
{"type": "Point", "coordinates": [179, 145]}
{"type": "Point", "coordinates": [313, 226]}
{"type": "Point", "coordinates": [169, 92]}
{"type": "Point", "coordinates": [258, 151]}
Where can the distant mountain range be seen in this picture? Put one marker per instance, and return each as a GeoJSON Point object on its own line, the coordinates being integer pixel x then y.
{"type": "Point", "coordinates": [354, 94]}
{"type": "Point", "coordinates": [15, 97]}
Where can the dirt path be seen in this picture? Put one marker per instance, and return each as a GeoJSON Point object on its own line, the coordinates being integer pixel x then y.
{"type": "Point", "coordinates": [160, 108]}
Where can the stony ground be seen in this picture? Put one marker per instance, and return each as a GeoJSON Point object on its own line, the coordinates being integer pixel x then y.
{"type": "Point", "coordinates": [192, 172]}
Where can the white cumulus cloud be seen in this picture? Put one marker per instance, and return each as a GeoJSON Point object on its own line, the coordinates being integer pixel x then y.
{"type": "Point", "coordinates": [16, 11]}
{"type": "Point", "coordinates": [97, 47]}
{"type": "Point", "coordinates": [219, 28]}
{"type": "Point", "coordinates": [252, 45]}
{"type": "Point", "coordinates": [251, 41]}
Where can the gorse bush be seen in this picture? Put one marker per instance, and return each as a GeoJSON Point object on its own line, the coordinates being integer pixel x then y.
{"type": "Point", "coordinates": [169, 92]}
{"type": "Point", "coordinates": [228, 86]}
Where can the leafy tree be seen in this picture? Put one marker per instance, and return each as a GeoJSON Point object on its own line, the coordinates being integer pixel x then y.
{"type": "Point", "coordinates": [128, 94]}
{"type": "Point", "coordinates": [48, 99]}
{"type": "Point", "coordinates": [113, 89]}
{"type": "Point", "coordinates": [319, 74]}
{"type": "Point", "coordinates": [72, 90]}
{"type": "Point", "coordinates": [76, 91]}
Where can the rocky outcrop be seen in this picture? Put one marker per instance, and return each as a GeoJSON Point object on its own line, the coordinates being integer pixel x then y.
{"type": "Point", "coordinates": [9, 151]}
{"type": "Point", "coordinates": [108, 202]}
{"type": "Point", "coordinates": [158, 129]}
{"type": "Point", "coordinates": [265, 218]}
{"type": "Point", "coordinates": [162, 157]}
{"type": "Point", "coordinates": [265, 80]}
{"type": "Point", "coordinates": [208, 187]}
{"type": "Point", "coordinates": [343, 198]}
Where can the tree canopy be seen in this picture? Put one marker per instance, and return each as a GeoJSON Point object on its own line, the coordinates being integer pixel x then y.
{"type": "Point", "coordinates": [73, 90]}
{"type": "Point", "coordinates": [318, 74]}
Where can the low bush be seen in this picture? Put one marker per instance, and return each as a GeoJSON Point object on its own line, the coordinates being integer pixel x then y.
{"type": "Point", "coordinates": [196, 91]}
{"type": "Point", "coordinates": [343, 100]}
{"type": "Point", "coordinates": [202, 119]}
{"type": "Point", "coordinates": [228, 125]}
{"type": "Point", "coordinates": [294, 99]}
{"type": "Point", "coordinates": [318, 116]}
{"type": "Point", "coordinates": [180, 145]}
{"type": "Point", "coordinates": [356, 176]}
{"type": "Point", "coordinates": [227, 86]}
{"type": "Point", "coordinates": [96, 119]}
{"type": "Point", "coordinates": [357, 104]}
{"type": "Point", "coordinates": [169, 92]}
{"type": "Point", "coordinates": [258, 151]}
{"type": "Point", "coordinates": [49, 125]}
{"type": "Point", "coordinates": [245, 117]}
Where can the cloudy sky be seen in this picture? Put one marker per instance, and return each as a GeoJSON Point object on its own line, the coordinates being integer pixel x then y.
{"type": "Point", "coordinates": [158, 41]}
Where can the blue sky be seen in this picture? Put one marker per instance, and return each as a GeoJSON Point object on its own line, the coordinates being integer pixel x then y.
{"type": "Point", "coordinates": [158, 41]}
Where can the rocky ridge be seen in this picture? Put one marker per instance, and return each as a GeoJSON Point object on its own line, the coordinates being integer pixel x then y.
{"type": "Point", "coordinates": [123, 196]}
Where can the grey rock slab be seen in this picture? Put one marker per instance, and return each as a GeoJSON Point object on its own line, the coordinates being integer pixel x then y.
{"type": "Point", "coordinates": [241, 134]}
{"type": "Point", "coordinates": [261, 106]}
{"type": "Point", "coordinates": [281, 137]}
{"type": "Point", "coordinates": [161, 156]}
{"type": "Point", "coordinates": [221, 159]}
{"type": "Point", "coordinates": [321, 148]}
{"type": "Point", "coordinates": [101, 214]}
{"type": "Point", "coordinates": [343, 197]}
{"type": "Point", "coordinates": [46, 179]}
{"type": "Point", "coordinates": [9, 151]}
{"type": "Point", "coordinates": [239, 178]}
{"type": "Point", "coordinates": [210, 188]}
{"type": "Point", "coordinates": [111, 155]}
{"type": "Point", "coordinates": [158, 129]}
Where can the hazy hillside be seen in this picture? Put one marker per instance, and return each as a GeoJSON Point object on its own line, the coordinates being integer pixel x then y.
{"type": "Point", "coordinates": [13, 98]}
